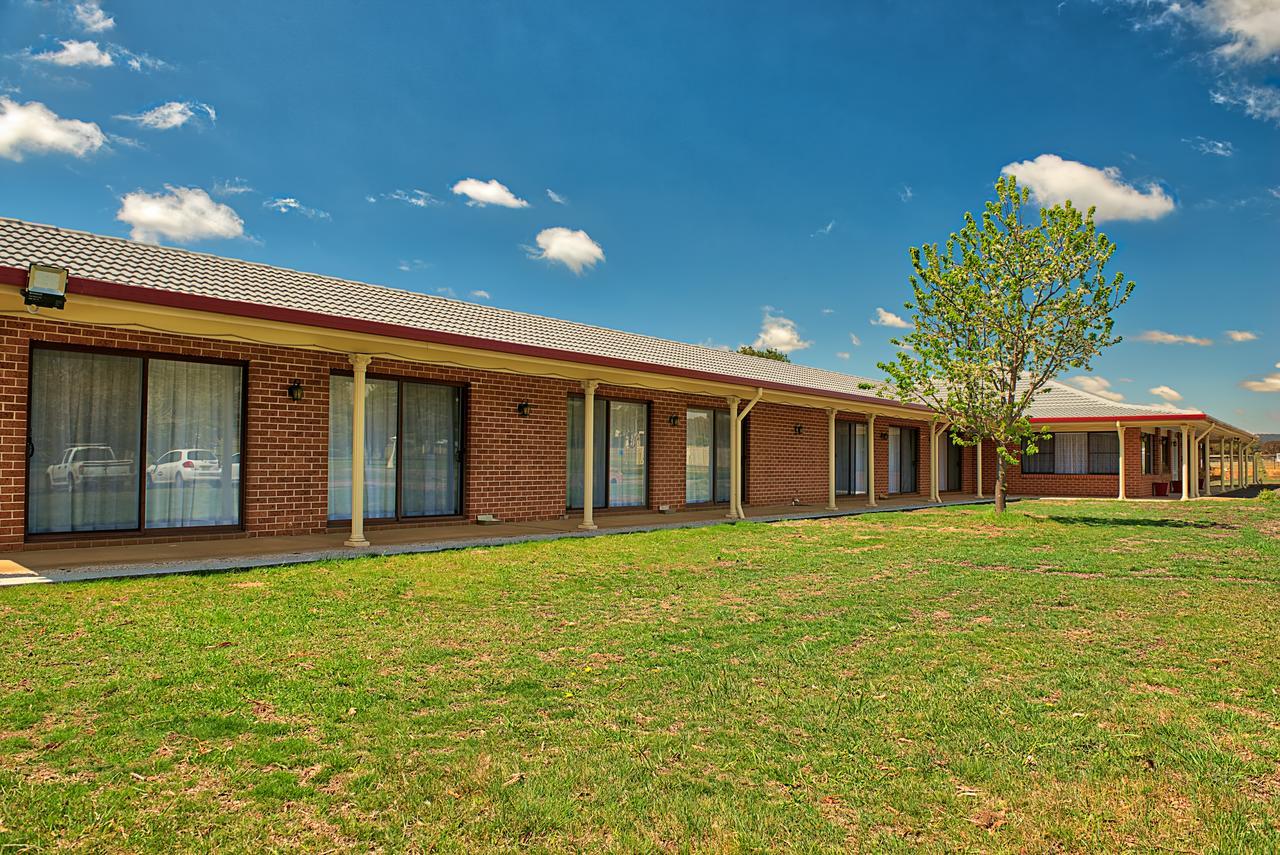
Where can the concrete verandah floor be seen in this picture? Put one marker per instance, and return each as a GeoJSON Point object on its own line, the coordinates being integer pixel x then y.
{"type": "Point", "coordinates": [101, 562]}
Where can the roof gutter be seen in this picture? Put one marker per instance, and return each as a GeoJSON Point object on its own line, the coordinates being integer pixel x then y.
{"type": "Point", "coordinates": [237, 308]}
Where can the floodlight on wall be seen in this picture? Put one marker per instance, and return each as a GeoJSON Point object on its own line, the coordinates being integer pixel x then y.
{"type": "Point", "coordinates": [295, 390]}
{"type": "Point", "coordinates": [46, 286]}
{"type": "Point", "coordinates": [799, 429]}
{"type": "Point", "coordinates": [524, 408]}
{"type": "Point", "coordinates": [673, 420]}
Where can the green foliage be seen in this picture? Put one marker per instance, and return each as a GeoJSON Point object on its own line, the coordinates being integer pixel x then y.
{"type": "Point", "coordinates": [766, 353]}
{"type": "Point", "coordinates": [1006, 306]}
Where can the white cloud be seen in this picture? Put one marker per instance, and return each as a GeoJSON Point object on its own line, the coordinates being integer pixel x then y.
{"type": "Point", "coordinates": [1095, 385]}
{"type": "Point", "coordinates": [231, 187]}
{"type": "Point", "coordinates": [141, 61]}
{"type": "Point", "coordinates": [556, 197]}
{"type": "Point", "coordinates": [779, 333]}
{"type": "Point", "coordinates": [416, 198]}
{"type": "Point", "coordinates": [1258, 102]}
{"type": "Point", "coordinates": [885, 318]}
{"type": "Point", "coordinates": [482, 295]}
{"type": "Point", "coordinates": [1166, 393]}
{"type": "Point", "coordinates": [574, 249]}
{"type": "Point", "coordinates": [906, 194]}
{"type": "Point", "coordinates": [285, 204]}
{"type": "Point", "coordinates": [825, 230]}
{"type": "Point", "coordinates": [412, 265]}
{"type": "Point", "coordinates": [842, 354]}
{"type": "Point", "coordinates": [33, 128]}
{"type": "Point", "coordinates": [1162, 337]}
{"type": "Point", "coordinates": [75, 53]}
{"type": "Point", "coordinates": [1242, 335]}
{"type": "Point", "coordinates": [1053, 181]}
{"type": "Point", "coordinates": [828, 311]}
{"type": "Point", "coordinates": [179, 214]}
{"type": "Point", "coordinates": [1270, 383]}
{"type": "Point", "coordinates": [1251, 28]}
{"type": "Point", "coordinates": [492, 192]}
{"type": "Point", "coordinates": [89, 16]}
{"type": "Point", "coordinates": [854, 340]}
{"type": "Point", "coordinates": [1218, 148]}
{"type": "Point", "coordinates": [172, 114]}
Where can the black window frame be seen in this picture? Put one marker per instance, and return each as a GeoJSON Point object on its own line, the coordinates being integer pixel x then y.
{"type": "Point", "coordinates": [914, 468]}
{"type": "Point", "coordinates": [852, 473]}
{"type": "Point", "coordinates": [464, 389]}
{"type": "Point", "coordinates": [1045, 456]}
{"type": "Point", "coordinates": [1113, 468]}
{"type": "Point", "coordinates": [648, 458]}
{"type": "Point", "coordinates": [145, 356]}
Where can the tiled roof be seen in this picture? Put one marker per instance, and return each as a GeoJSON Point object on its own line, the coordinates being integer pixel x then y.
{"type": "Point", "coordinates": [129, 263]}
{"type": "Point", "coordinates": [1061, 401]}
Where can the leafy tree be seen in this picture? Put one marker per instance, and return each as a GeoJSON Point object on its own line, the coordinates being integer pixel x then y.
{"type": "Point", "coordinates": [766, 353]}
{"type": "Point", "coordinates": [1006, 307]}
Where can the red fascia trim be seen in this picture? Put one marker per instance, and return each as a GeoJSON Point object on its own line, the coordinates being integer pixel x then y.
{"type": "Point", "coordinates": [1194, 417]}
{"type": "Point", "coordinates": [157, 297]}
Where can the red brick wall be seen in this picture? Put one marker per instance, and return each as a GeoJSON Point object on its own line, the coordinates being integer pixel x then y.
{"type": "Point", "coordinates": [514, 466]}
{"type": "Point", "coordinates": [1137, 485]}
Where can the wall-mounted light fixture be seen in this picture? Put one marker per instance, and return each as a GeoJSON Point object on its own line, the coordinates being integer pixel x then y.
{"type": "Point", "coordinates": [673, 420]}
{"type": "Point", "coordinates": [523, 409]}
{"type": "Point", "coordinates": [295, 390]}
{"type": "Point", "coordinates": [799, 429]}
{"type": "Point", "coordinates": [884, 435]}
{"type": "Point", "coordinates": [46, 286]}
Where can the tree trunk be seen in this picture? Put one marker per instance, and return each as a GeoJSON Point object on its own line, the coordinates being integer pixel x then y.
{"type": "Point", "coordinates": [1000, 490]}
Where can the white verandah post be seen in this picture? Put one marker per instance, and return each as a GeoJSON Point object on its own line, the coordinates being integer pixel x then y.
{"type": "Point", "coordinates": [359, 362]}
{"type": "Point", "coordinates": [735, 459]}
{"type": "Point", "coordinates": [871, 460]}
{"type": "Point", "coordinates": [588, 454]}
{"type": "Point", "coordinates": [1120, 433]}
{"type": "Point", "coordinates": [831, 459]}
{"type": "Point", "coordinates": [978, 450]}
{"type": "Point", "coordinates": [1186, 464]}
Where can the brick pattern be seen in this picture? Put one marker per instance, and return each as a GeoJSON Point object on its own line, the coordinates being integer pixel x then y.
{"type": "Point", "coordinates": [514, 465]}
{"type": "Point", "coordinates": [1137, 485]}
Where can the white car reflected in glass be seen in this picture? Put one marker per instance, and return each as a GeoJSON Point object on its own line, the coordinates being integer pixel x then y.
{"type": "Point", "coordinates": [184, 466]}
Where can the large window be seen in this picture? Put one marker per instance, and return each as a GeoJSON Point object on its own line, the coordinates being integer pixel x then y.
{"type": "Point", "coordinates": [1094, 453]}
{"type": "Point", "coordinates": [706, 456]}
{"type": "Point", "coordinates": [120, 442]}
{"type": "Point", "coordinates": [412, 449]}
{"type": "Point", "coordinates": [851, 458]}
{"type": "Point", "coordinates": [621, 476]}
{"type": "Point", "coordinates": [904, 456]}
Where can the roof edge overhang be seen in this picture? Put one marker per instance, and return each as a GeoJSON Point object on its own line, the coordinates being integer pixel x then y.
{"type": "Point", "coordinates": [78, 285]}
{"type": "Point", "coordinates": [1169, 419]}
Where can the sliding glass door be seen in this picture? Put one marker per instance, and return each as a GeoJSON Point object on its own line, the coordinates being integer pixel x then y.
{"type": "Point", "coordinates": [621, 440]}
{"type": "Point", "coordinates": [851, 458]}
{"type": "Point", "coordinates": [951, 470]}
{"type": "Point", "coordinates": [904, 455]}
{"type": "Point", "coordinates": [707, 458]}
{"type": "Point", "coordinates": [412, 448]}
{"type": "Point", "coordinates": [125, 442]}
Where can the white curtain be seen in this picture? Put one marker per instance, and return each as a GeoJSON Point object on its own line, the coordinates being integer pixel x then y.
{"type": "Point", "coordinates": [193, 443]}
{"type": "Point", "coordinates": [574, 454]}
{"type": "Point", "coordinates": [86, 414]}
{"type": "Point", "coordinates": [432, 450]}
{"type": "Point", "coordinates": [723, 458]}
{"type": "Point", "coordinates": [698, 436]}
{"type": "Point", "coordinates": [627, 457]}
{"type": "Point", "coordinates": [1071, 453]}
{"type": "Point", "coordinates": [379, 447]}
{"type": "Point", "coordinates": [845, 457]}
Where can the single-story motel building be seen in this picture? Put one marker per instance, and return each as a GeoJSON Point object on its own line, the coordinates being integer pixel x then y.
{"type": "Point", "coordinates": [182, 396]}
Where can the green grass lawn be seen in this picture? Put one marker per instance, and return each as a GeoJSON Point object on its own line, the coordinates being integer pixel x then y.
{"type": "Point", "coordinates": [1077, 676]}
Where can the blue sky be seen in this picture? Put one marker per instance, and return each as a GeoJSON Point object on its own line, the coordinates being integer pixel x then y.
{"type": "Point", "coordinates": [725, 172]}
